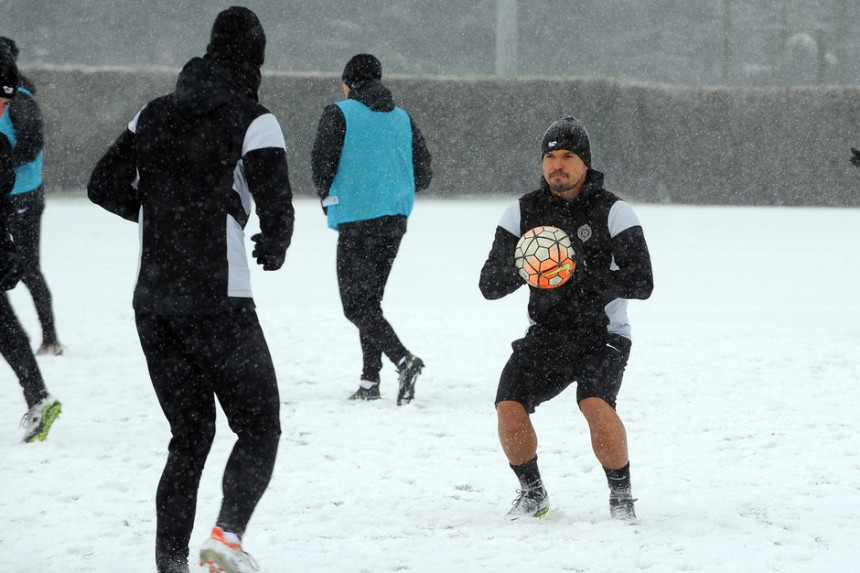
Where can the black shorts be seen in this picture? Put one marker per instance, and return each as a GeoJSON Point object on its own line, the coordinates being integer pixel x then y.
{"type": "Point", "coordinates": [541, 367]}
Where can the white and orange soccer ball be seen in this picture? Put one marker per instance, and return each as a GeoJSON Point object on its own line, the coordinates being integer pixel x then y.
{"type": "Point", "coordinates": [544, 257]}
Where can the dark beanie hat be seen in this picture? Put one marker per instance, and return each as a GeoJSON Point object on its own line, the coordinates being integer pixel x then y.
{"type": "Point", "coordinates": [10, 44]}
{"type": "Point", "coordinates": [568, 133]}
{"type": "Point", "coordinates": [8, 74]}
{"type": "Point", "coordinates": [237, 35]}
{"type": "Point", "coordinates": [361, 68]}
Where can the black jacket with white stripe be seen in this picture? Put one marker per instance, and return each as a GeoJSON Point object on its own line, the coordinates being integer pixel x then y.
{"type": "Point", "coordinates": [201, 154]}
{"type": "Point", "coordinates": [613, 262]}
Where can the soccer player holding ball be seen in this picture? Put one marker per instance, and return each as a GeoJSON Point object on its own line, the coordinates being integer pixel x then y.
{"type": "Point", "coordinates": [579, 281]}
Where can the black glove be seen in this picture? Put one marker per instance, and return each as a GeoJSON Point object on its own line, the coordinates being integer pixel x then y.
{"type": "Point", "coordinates": [10, 270]}
{"type": "Point", "coordinates": [270, 254]}
{"type": "Point", "coordinates": [855, 159]}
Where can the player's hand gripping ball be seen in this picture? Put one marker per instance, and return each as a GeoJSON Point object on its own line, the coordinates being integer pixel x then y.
{"type": "Point", "coordinates": [544, 257]}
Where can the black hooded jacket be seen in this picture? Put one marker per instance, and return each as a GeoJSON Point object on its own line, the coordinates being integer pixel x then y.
{"type": "Point", "coordinates": [613, 262]}
{"type": "Point", "coordinates": [201, 153]}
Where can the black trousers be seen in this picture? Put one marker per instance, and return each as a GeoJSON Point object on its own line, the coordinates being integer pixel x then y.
{"type": "Point", "coordinates": [15, 348]}
{"type": "Point", "coordinates": [192, 361]}
{"type": "Point", "coordinates": [25, 226]}
{"type": "Point", "coordinates": [364, 263]}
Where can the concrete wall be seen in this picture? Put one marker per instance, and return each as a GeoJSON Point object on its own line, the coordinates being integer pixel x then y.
{"type": "Point", "coordinates": [655, 142]}
{"type": "Point", "coordinates": [691, 42]}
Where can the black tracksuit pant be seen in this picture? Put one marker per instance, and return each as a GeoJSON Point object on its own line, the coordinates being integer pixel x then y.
{"type": "Point", "coordinates": [15, 348]}
{"type": "Point", "coordinates": [25, 226]}
{"type": "Point", "coordinates": [192, 361]}
{"type": "Point", "coordinates": [365, 255]}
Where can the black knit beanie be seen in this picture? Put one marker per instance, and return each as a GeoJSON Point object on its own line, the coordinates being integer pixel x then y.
{"type": "Point", "coordinates": [568, 133]}
{"type": "Point", "coordinates": [8, 74]}
{"type": "Point", "coordinates": [237, 35]}
{"type": "Point", "coordinates": [362, 68]}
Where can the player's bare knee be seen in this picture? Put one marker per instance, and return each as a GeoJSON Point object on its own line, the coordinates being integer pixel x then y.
{"type": "Point", "coordinates": [511, 412]}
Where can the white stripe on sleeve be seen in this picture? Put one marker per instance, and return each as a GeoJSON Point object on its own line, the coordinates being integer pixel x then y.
{"type": "Point", "coordinates": [621, 218]}
{"type": "Point", "coordinates": [262, 133]}
{"type": "Point", "coordinates": [511, 220]}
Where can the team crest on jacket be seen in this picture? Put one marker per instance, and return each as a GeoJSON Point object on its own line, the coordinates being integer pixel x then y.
{"type": "Point", "coordinates": [584, 232]}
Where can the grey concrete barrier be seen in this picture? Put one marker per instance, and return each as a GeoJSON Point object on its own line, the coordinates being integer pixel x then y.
{"type": "Point", "coordinates": [655, 142]}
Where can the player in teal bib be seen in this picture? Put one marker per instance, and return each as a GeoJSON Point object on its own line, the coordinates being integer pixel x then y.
{"type": "Point", "coordinates": [369, 159]}
{"type": "Point", "coordinates": [375, 176]}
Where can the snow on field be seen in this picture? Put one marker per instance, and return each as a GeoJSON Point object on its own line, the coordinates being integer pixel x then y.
{"type": "Point", "coordinates": [740, 401]}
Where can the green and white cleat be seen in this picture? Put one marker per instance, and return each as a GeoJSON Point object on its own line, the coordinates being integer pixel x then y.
{"type": "Point", "coordinates": [38, 420]}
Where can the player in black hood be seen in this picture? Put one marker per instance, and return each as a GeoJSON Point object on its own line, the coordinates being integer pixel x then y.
{"type": "Point", "coordinates": [202, 153]}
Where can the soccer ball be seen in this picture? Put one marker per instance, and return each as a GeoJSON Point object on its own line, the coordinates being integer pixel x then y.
{"type": "Point", "coordinates": [544, 257]}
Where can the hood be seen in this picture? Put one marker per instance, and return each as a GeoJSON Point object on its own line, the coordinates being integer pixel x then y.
{"type": "Point", "coordinates": [204, 85]}
{"type": "Point", "coordinates": [373, 94]}
{"type": "Point", "coordinates": [27, 84]}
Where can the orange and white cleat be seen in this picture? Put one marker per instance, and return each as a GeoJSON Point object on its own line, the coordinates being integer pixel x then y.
{"type": "Point", "coordinates": [220, 555]}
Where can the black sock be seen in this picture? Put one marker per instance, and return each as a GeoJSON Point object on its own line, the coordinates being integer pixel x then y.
{"type": "Point", "coordinates": [619, 478]}
{"type": "Point", "coordinates": [528, 474]}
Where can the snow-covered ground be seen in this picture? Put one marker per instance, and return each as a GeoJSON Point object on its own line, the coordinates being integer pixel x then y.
{"type": "Point", "coordinates": [741, 402]}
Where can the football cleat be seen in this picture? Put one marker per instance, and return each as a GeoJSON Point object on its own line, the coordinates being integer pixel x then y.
{"type": "Point", "coordinates": [409, 369]}
{"type": "Point", "coordinates": [222, 556]}
{"type": "Point", "coordinates": [621, 505]}
{"type": "Point", "coordinates": [363, 393]}
{"type": "Point", "coordinates": [38, 420]}
{"type": "Point", "coordinates": [50, 349]}
{"type": "Point", "coordinates": [530, 503]}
